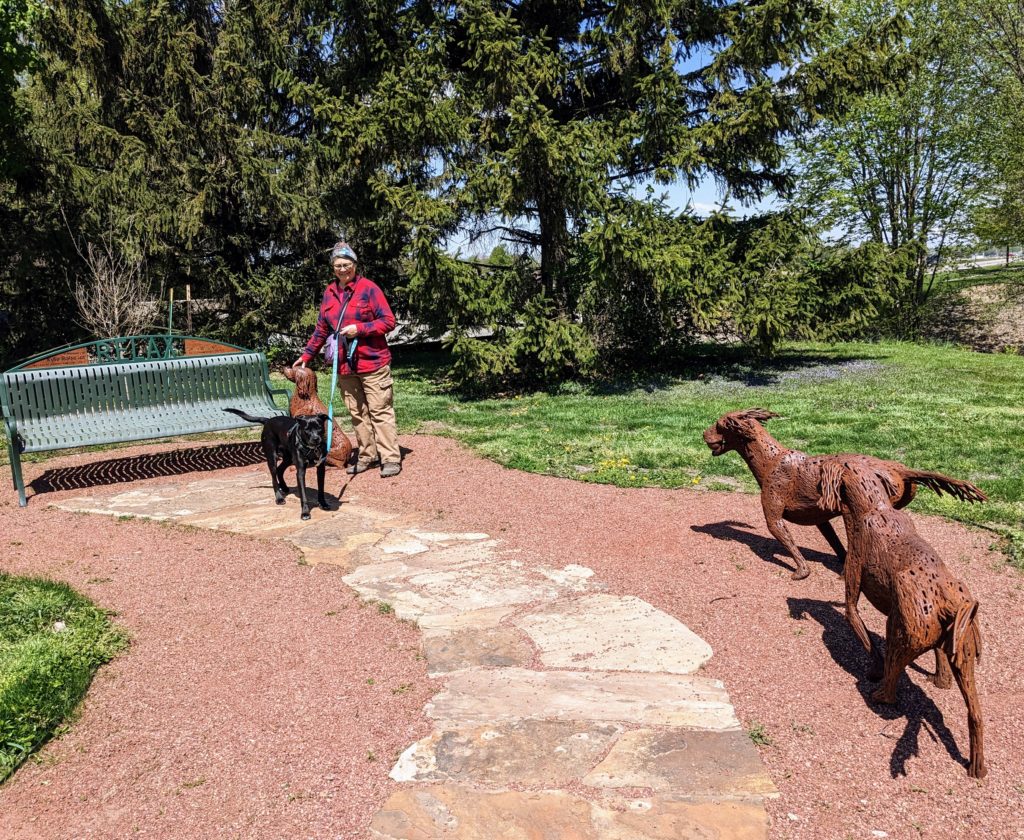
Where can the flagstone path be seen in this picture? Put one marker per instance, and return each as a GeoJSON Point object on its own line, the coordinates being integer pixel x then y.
{"type": "Point", "coordinates": [561, 711]}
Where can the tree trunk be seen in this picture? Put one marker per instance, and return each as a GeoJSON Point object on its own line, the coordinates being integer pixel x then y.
{"type": "Point", "coordinates": [554, 246]}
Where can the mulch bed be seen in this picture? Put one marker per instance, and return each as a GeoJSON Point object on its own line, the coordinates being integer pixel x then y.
{"type": "Point", "coordinates": [245, 708]}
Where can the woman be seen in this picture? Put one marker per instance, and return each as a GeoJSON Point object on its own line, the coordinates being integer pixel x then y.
{"type": "Point", "coordinates": [365, 317]}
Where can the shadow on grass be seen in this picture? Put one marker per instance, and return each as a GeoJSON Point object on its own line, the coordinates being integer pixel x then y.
{"type": "Point", "coordinates": [155, 465]}
{"type": "Point", "coordinates": [767, 548]}
{"type": "Point", "coordinates": [711, 364]}
{"type": "Point", "coordinates": [912, 702]}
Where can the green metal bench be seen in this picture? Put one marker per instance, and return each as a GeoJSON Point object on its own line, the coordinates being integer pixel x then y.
{"type": "Point", "coordinates": [125, 389]}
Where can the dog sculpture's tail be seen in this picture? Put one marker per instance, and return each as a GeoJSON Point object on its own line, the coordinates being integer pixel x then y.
{"type": "Point", "coordinates": [245, 416]}
{"type": "Point", "coordinates": [964, 630]}
{"type": "Point", "coordinates": [939, 484]}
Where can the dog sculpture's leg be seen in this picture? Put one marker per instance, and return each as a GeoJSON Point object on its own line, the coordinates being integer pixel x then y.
{"type": "Point", "coordinates": [899, 653]}
{"type": "Point", "coordinates": [943, 676]}
{"type": "Point", "coordinates": [773, 517]}
{"type": "Point", "coordinates": [964, 674]}
{"type": "Point", "coordinates": [852, 576]}
{"type": "Point", "coordinates": [829, 533]}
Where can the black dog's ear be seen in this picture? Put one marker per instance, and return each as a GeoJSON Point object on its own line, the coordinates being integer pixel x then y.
{"type": "Point", "coordinates": [323, 418]}
{"type": "Point", "coordinates": [293, 431]}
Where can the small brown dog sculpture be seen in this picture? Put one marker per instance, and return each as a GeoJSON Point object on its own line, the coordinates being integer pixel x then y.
{"type": "Point", "coordinates": [305, 400]}
{"type": "Point", "coordinates": [902, 576]}
{"type": "Point", "coordinates": [789, 479]}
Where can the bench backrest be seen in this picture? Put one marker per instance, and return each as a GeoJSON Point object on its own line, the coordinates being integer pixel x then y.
{"type": "Point", "coordinates": [125, 386]}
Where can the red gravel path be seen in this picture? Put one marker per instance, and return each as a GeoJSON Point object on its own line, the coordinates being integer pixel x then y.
{"type": "Point", "coordinates": [242, 708]}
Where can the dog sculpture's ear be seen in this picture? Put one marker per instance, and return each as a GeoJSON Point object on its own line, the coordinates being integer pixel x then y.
{"type": "Point", "coordinates": [761, 415]}
{"type": "Point", "coordinates": [830, 486]}
{"type": "Point", "coordinates": [732, 422]}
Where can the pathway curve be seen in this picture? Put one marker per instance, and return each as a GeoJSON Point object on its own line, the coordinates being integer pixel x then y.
{"type": "Point", "coordinates": [561, 710]}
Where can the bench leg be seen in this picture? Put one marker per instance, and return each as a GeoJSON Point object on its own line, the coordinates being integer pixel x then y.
{"type": "Point", "coordinates": [19, 483]}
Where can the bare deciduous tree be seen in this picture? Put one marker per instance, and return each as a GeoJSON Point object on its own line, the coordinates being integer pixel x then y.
{"type": "Point", "coordinates": [113, 298]}
{"type": "Point", "coordinates": [113, 295]}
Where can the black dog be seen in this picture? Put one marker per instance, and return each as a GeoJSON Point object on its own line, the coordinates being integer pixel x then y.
{"type": "Point", "coordinates": [295, 440]}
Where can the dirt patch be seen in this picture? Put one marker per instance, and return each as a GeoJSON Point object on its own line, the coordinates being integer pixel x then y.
{"type": "Point", "coordinates": [243, 707]}
{"type": "Point", "coordinates": [987, 318]}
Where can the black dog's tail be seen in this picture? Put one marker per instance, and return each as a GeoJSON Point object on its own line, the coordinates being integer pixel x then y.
{"type": "Point", "coordinates": [248, 417]}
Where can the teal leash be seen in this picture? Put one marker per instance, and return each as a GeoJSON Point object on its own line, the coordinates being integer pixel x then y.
{"type": "Point", "coordinates": [330, 402]}
{"type": "Point", "coordinates": [334, 374]}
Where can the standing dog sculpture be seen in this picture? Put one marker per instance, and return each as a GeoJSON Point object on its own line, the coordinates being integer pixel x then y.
{"type": "Point", "coordinates": [789, 479]}
{"type": "Point", "coordinates": [306, 401]}
{"type": "Point", "coordinates": [301, 441]}
{"type": "Point", "coordinates": [902, 576]}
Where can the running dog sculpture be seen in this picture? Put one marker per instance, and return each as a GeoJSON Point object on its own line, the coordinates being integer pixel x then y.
{"type": "Point", "coordinates": [305, 400]}
{"type": "Point", "coordinates": [902, 576]}
{"type": "Point", "coordinates": [789, 479]}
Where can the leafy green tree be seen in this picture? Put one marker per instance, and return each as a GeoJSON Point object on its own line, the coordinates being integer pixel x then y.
{"type": "Point", "coordinates": [903, 168]}
{"type": "Point", "coordinates": [227, 144]}
{"type": "Point", "coordinates": [997, 31]}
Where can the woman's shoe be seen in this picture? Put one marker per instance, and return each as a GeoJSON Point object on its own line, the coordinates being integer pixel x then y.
{"type": "Point", "coordinates": [390, 469]}
{"type": "Point", "coordinates": [362, 466]}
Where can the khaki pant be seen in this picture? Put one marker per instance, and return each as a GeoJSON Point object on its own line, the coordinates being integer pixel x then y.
{"type": "Point", "coordinates": [370, 400]}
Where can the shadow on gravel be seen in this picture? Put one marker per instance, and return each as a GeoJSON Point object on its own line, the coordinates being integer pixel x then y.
{"type": "Point", "coordinates": [912, 702]}
{"type": "Point", "coordinates": [767, 548]}
{"type": "Point", "coordinates": [155, 465]}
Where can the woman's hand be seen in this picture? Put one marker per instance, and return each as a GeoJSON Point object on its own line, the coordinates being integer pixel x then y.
{"type": "Point", "coordinates": [349, 331]}
{"type": "Point", "coordinates": [299, 363]}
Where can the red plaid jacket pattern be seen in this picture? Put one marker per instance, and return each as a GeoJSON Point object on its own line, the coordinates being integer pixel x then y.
{"type": "Point", "coordinates": [369, 311]}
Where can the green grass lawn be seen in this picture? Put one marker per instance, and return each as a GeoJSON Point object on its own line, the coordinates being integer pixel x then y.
{"type": "Point", "coordinates": [932, 407]}
{"type": "Point", "coordinates": [52, 640]}
{"type": "Point", "coordinates": [964, 277]}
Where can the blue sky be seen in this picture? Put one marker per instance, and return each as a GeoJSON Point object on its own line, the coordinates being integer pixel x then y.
{"type": "Point", "coordinates": [704, 199]}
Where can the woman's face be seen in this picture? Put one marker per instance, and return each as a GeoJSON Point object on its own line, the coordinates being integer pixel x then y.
{"type": "Point", "coordinates": [344, 270]}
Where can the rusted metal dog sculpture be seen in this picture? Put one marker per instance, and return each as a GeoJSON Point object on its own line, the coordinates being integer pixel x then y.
{"type": "Point", "coordinates": [789, 479]}
{"type": "Point", "coordinates": [305, 401]}
{"type": "Point", "coordinates": [927, 607]}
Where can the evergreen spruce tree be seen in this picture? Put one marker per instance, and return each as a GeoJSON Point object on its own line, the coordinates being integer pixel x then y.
{"type": "Point", "coordinates": [181, 130]}
{"type": "Point", "coordinates": [555, 111]}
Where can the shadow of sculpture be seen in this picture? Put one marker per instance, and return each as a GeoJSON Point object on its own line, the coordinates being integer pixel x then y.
{"type": "Point", "coordinates": [153, 465]}
{"type": "Point", "coordinates": [915, 705]}
{"type": "Point", "coordinates": [767, 548]}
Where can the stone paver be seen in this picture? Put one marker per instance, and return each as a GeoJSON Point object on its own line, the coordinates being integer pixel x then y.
{"type": "Point", "coordinates": [684, 764]}
{"type": "Point", "coordinates": [612, 709]}
{"type": "Point", "coordinates": [649, 699]}
{"type": "Point", "coordinates": [609, 633]}
{"type": "Point", "coordinates": [461, 813]}
{"type": "Point", "coordinates": [541, 753]}
{"type": "Point", "coordinates": [493, 647]}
